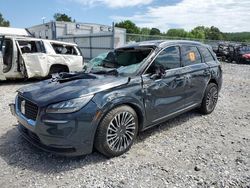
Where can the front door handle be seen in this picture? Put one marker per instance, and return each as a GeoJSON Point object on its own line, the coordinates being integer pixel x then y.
{"type": "Point", "coordinates": [180, 78]}
{"type": "Point", "coordinates": [146, 85]}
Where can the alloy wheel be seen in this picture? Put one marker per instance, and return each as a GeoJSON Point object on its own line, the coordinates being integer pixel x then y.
{"type": "Point", "coordinates": [121, 131]}
{"type": "Point", "coordinates": [212, 98]}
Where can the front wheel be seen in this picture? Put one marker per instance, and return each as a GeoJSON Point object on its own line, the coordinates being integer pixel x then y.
{"type": "Point", "coordinates": [210, 99]}
{"type": "Point", "coordinates": [117, 131]}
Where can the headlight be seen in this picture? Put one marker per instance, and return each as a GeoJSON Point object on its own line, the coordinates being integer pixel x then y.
{"type": "Point", "coordinates": [69, 106]}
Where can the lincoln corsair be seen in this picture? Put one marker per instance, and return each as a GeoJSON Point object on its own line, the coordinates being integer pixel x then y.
{"type": "Point", "coordinates": [117, 95]}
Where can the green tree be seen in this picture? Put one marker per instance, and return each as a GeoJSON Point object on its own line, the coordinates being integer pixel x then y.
{"type": "Point", "coordinates": [239, 36]}
{"type": "Point", "coordinates": [62, 17]}
{"type": "Point", "coordinates": [145, 31]}
{"type": "Point", "coordinates": [199, 32]}
{"type": "Point", "coordinates": [129, 26]}
{"type": "Point", "coordinates": [155, 31]}
{"type": "Point", "coordinates": [177, 33]}
{"type": "Point", "coordinates": [215, 34]}
{"type": "Point", "coordinates": [3, 22]}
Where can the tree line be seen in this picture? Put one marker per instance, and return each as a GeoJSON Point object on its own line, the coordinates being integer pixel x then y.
{"type": "Point", "coordinates": [199, 32]}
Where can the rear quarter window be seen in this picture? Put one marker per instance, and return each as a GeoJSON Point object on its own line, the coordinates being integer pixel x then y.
{"type": "Point", "coordinates": [206, 54]}
{"type": "Point", "coordinates": [64, 49]}
{"type": "Point", "coordinates": [190, 55]}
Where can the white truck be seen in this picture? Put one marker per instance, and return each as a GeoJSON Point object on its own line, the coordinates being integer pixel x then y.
{"type": "Point", "coordinates": [26, 57]}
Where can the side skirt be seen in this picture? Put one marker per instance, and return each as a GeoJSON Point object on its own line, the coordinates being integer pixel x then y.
{"type": "Point", "coordinates": [170, 116]}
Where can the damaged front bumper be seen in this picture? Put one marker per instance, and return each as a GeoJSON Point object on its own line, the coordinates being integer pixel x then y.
{"type": "Point", "coordinates": [61, 134]}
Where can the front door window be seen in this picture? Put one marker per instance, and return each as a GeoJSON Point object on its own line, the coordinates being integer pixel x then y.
{"type": "Point", "coordinates": [168, 59]}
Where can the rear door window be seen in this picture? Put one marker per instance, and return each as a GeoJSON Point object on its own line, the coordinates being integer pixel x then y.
{"type": "Point", "coordinates": [31, 46]}
{"type": "Point", "coordinates": [190, 55]}
{"type": "Point", "coordinates": [206, 54]}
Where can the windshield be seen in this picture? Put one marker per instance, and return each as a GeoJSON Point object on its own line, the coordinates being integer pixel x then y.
{"type": "Point", "coordinates": [126, 61]}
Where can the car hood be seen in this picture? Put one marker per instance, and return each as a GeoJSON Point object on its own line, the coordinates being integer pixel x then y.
{"type": "Point", "coordinates": [47, 92]}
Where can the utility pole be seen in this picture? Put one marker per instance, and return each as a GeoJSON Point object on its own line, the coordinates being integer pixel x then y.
{"type": "Point", "coordinates": [43, 18]}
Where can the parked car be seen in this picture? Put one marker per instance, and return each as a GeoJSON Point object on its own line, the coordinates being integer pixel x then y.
{"type": "Point", "coordinates": [239, 54]}
{"type": "Point", "coordinates": [121, 93]}
{"type": "Point", "coordinates": [26, 57]}
{"type": "Point", "coordinates": [222, 51]}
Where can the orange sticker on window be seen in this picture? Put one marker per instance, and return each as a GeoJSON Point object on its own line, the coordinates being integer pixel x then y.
{"type": "Point", "coordinates": [191, 56]}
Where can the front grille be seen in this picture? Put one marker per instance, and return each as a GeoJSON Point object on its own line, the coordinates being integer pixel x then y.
{"type": "Point", "coordinates": [27, 108]}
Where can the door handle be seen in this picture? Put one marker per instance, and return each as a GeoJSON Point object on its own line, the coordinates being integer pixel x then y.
{"type": "Point", "coordinates": [146, 85]}
{"type": "Point", "coordinates": [163, 84]}
{"type": "Point", "coordinates": [180, 78]}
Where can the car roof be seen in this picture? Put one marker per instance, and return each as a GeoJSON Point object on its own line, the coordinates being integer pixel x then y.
{"type": "Point", "coordinates": [161, 43]}
{"type": "Point", "coordinates": [40, 39]}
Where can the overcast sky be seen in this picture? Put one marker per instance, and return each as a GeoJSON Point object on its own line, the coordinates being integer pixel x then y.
{"type": "Point", "coordinates": [227, 15]}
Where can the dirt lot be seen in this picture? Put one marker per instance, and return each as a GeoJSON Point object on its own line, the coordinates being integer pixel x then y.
{"type": "Point", "coordinates": [189, 151]}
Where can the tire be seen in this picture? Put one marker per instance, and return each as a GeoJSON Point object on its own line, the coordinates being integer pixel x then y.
{"type": "Point", "coordinates": [210, 99]}
{"type": "Point", "coordinates": [113, 140]}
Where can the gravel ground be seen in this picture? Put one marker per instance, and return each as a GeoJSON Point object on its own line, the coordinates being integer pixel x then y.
{"type": "Point", "coordinates": [191, 150]}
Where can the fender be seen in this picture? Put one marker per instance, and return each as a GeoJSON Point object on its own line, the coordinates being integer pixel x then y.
{"type": "Point", "coordinates": [116, 99]}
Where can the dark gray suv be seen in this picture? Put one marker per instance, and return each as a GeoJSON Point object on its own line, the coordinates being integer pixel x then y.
{"type": "Point", "coordinates": [117, 95]}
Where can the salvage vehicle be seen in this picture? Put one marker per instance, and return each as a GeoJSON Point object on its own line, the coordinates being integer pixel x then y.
{"type": "Point", "coordinates": [239, 54]}
{"type": "Point", "coordinates": [222, 51]}
{"type": "Point", "coordinates": [121, 93]}
{"type": "Point", "coordinates": [26, 57]}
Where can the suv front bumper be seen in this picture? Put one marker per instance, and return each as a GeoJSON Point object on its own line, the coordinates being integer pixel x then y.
{"type": "Point", "coordinates": [73, 137]}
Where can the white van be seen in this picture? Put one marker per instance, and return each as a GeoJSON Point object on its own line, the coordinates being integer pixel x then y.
{"type": "Point", "coordinates": [26, 57]}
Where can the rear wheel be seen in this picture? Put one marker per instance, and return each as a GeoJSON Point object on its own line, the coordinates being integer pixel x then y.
{"type": "Point", "coordinates": [210, 99]}
{"type": "Point", "coordinates": [117, 131]}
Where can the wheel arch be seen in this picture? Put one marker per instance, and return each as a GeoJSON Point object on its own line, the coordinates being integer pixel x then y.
{"type": "Point", "coordinates": [100, 134]}
{"type": "Point", "coordinates": [138, 108]}
{"type": "Point", "coordinates": [62, 66]}
{"type": "Point", "coordinates": [139, 114]}
{"type": "Point", "coordinates": [213, 80]}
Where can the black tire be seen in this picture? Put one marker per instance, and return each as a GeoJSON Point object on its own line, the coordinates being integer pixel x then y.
{"type": "Point", "coordinates": [210, 99]}
{"type": "Point", "coordinates": [106, 142]}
